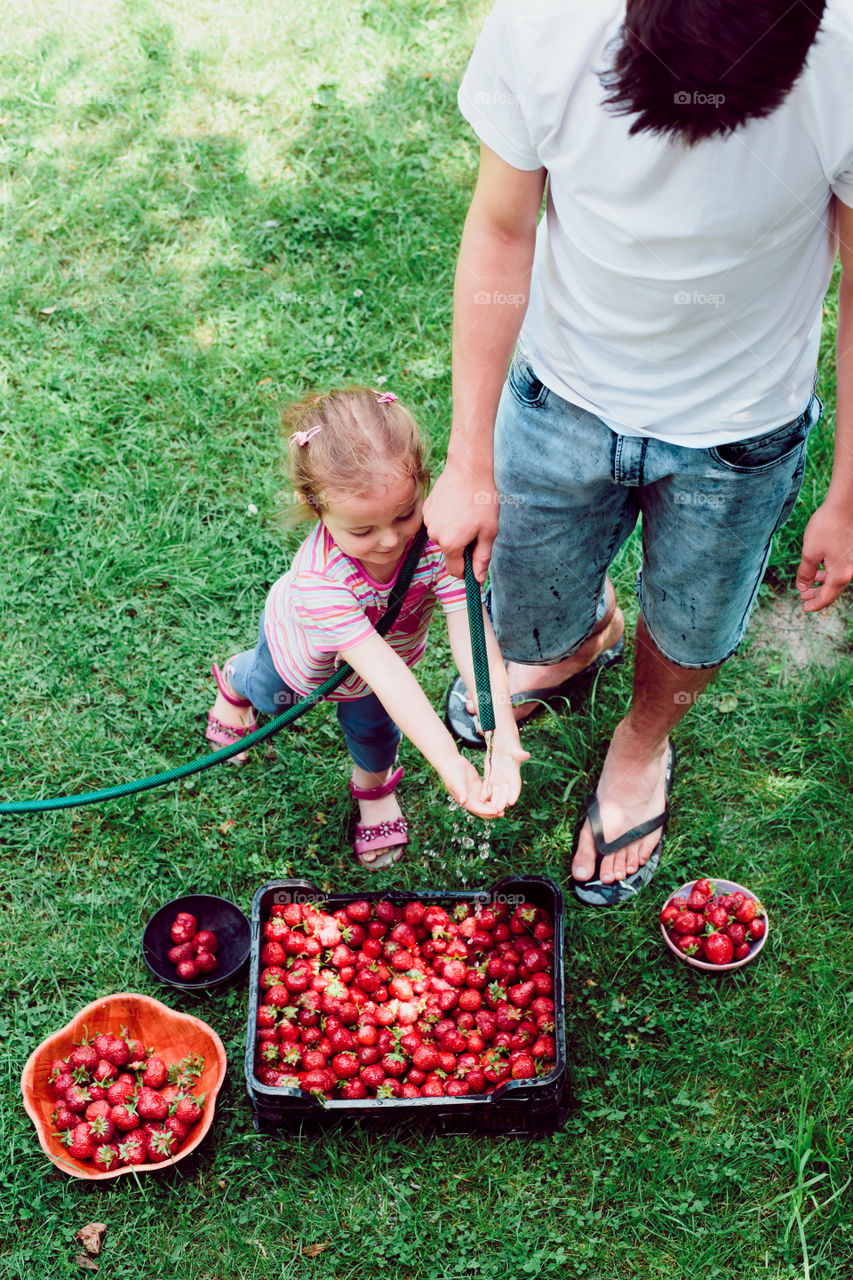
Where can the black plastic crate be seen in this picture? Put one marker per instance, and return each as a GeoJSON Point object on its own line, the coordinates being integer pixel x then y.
{"type": "Point", "coordinates": [531, 1108]}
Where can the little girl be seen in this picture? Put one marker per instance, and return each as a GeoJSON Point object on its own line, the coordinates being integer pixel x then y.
{"type": "Point", "coordinates": [357, 464]}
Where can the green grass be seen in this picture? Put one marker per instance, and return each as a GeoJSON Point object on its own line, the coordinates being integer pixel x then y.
{"type": "Point", "coordinates": [205, 210]}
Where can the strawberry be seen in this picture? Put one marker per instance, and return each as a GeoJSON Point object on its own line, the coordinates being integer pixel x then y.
{"type": "Point", "coordinates": [150, 1105]}
{"type": "Point", "coordinates": [160, 1143]}
{"type": "Point", "coordinates": [704, 886]}
{"type": "Point", "coordinates": [124, 1117]}
{"type": "Point", "coordinates": [744, 913]}
{"type": "Point", "coordinates": [457, 1088]}
{"type": "Point", "coordinates": [63, 1119]}
{"type": "Point", "coordinates": [394, 1064]}
{"type": "Point", "coordinates": [133, 1149]}
{"type": "Point", "coordinates": [320, 1081]}
{"type": "Point", "coordinates": [120, 1090]}
{"type": "Point", "coordinates": [106, 1156]}
{"type": "Point", "coordinates": [177, 1127]}
{"type": "Point", "coordinates": [81, 1145]}
{"type": "Point", "coordinates": [476, 1079]}
{"type": "Point", "coordinates": [523, 1067]}
{"type": "Point", "coordinates": [188, 971]}
{"type": "Point", "coordinates": [86, 1056]}
{"type": "Point", "coordinates": [205, 940]}
{"type": "Point", "coordinates": [737, 932]}
{"type": "Point", "coordinates": [206, 962]}
{"type": "Point", "coordinates": [345, 1065]}
{"type": "Point", "coordinates": [61, 1083]}
{"type": "Point", "coordinates": [183, 927]}
{"type": "Point", "coordinates": [689, 943]}
{"type": "Point", "coordinates": [137, 1052]}
{"type": "Point", "coordinates": [117, 1052]}
{"type": "Point", "coordinates": [353, 1090]}
{"type": "Point", "coordinates": [741, 951]}
{"type": "Point", "coordinates": [687, 922]}
{"type": "Point", "coordinates": [77, 1099]}
{"type": "Point", "coordinates": [183, 951]}
{"type": "Point", "coordinates": [718, 948]}
{"type": "Point", "coordinates": [154, 1075]}
{"type": "Point", "coordinates": [756, 928]}
{"type": "Point", "coordinates": [717, 916]}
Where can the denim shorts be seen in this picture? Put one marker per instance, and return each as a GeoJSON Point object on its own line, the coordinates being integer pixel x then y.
{"type": "Point", "coordinates": [371, 735]}
{"type": "Point", "coordinates": [571, 490]}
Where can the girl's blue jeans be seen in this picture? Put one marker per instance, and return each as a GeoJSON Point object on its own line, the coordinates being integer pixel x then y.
{"type": "Point", "coordinates": [371, 735]}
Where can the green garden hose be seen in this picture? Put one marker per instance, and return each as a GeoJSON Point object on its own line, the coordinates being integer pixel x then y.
{"type": "Point", "coordinates": [485, 707]}
{"type": "Point", "coordinates": [384, 625]}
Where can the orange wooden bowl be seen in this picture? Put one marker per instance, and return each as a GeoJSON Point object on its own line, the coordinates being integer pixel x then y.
{"type": "Point", "coordinates": [172, 1035]}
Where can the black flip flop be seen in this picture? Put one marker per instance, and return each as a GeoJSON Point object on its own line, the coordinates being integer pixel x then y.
{"type": "Point", "coordinates": [592, 891]}
{"type": "Point", "coordinates": [463, 725]}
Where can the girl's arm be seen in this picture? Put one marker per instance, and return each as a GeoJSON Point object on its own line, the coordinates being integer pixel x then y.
{"type": "Point", "coordinates": [384, 670]}
{"type": "Point", "coordinates": [507, 751]}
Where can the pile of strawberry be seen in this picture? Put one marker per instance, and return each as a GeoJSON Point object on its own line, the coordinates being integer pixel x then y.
{"type": "Point", "coordinates": [119, 1104]}
{"type": "Point", "coordinates": [382, 1001]}
{"type": "Point", "coordinates": [718, 928]}
{"type": "Point", "coordinates": [194, 952]}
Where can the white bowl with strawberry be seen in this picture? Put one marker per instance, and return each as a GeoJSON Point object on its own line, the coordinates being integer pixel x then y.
{"type": "Point", "coordinates": [713, 924]}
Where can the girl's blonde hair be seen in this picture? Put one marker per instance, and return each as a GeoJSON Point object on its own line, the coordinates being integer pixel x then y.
{"type": "Point", "coordinates": [346, 441]}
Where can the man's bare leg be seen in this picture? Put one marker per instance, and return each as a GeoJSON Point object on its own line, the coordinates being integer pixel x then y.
{"type": "Point", "coordinates": [631, 787]}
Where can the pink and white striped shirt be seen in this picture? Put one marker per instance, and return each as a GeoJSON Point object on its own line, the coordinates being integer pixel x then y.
{"type": "Point", "coordinates": [327, 602]}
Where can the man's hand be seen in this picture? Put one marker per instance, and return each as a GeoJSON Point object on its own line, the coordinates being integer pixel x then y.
{"type": "Point", "coordinates": [463, 507]}
{"type": "Point", "coordinates": [827, 541]}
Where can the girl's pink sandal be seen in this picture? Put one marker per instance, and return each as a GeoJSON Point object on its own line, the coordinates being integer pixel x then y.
{"type": "Point", "coordinates": [392, 836]}
{"type": "Point", "coordinates": [226, 734]}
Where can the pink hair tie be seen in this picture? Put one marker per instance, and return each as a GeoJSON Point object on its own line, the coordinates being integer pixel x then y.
{"type": "Point", "coordinates": [387, 397]}
{"type": "Point", "coordinates": [302, 437]}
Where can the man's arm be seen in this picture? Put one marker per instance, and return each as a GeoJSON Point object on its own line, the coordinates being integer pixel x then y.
{"type": "Point", "coordinates": [489, 302]}
{"type": "Point", "coordinates": [828, 539]}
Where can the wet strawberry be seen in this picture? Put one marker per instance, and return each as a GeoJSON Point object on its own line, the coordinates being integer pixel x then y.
{"type": "Point", "coordinates": [746, 911]}
{"type": "Point", "coordinates": [206, 940]}
{"type": "Point", "coordinates": [183, 927]}
{"type": "Point", "coordinates": [183, 951]}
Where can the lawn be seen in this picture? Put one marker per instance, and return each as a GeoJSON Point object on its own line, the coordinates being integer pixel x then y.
{"type": "Point", "coordinates": [208, 209]}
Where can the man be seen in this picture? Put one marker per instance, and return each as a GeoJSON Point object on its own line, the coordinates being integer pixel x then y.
{"type": "Point", "coordinates": [698, 157]}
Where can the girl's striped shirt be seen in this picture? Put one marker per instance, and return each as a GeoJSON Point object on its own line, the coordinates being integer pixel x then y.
{"type": "Point", "coordinates": [327, 602]}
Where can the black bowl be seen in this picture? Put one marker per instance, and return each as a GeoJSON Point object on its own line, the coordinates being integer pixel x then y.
{"type": "Point", "coordinates": [224, 918]}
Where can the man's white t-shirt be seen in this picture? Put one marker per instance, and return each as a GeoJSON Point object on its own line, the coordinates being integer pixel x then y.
{"type": "Point", "coordinates": [677, 291]}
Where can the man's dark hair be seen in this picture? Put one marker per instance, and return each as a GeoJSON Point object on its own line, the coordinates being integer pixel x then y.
{"type": "Point", "coordinates": [694, 69]}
